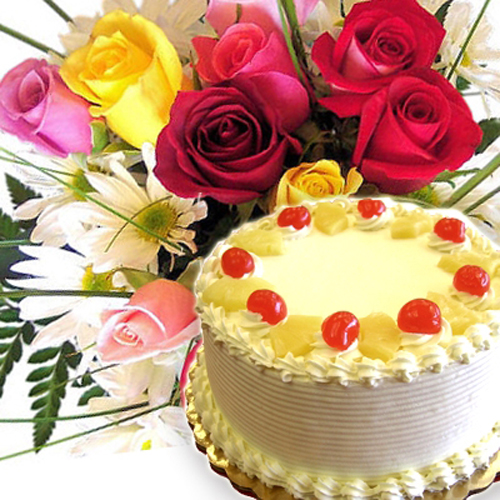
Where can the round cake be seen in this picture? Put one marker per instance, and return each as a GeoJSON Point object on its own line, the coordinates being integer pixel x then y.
{"type": "Point", "coordinates": [351, 349]}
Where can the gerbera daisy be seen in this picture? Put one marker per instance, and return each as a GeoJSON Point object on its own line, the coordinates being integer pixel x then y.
{"type": "Point", "coordinates": [162, 220]}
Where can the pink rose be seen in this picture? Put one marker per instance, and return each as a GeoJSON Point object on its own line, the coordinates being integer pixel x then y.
{"type": "Point", "coordinates": [159, 317]}
{"type": "Point", "coordinates": [229, 142]}
{"type": "Point", "coordinates": [412, 130]}
{"type": "Point", "coordinates": [265, 13]}
{"type": "Point", "coordinates": [379, 40]}
{"type": "Point", "coordinates": [38, 107]}
{"type": "Point", "coordinates": [243, 48]}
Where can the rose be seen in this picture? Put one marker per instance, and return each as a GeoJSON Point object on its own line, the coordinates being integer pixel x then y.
{"type": "Point", "coordinates": [265, 13]}
{"type": "Point", "coordinates": [243, 48]}
{"type": "Point", "coordinates": [413, 130]}
{"type": "Point", "coordinates": [311, 181]}
{"type": "Point", "coordinates": [131, 72]}
{"type": "Point", "coordinates": [36, 106]}
{"type": "Point", "coordinates": [229, 142]}
{"type": "Point", "coordinates": [190, 359]}
{"type": "Point", "coordinates": [379, 40]}
{"type": "Point", "coordinates": [159, 317]}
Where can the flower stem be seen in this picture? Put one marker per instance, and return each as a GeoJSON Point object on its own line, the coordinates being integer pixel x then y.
{"type": "Point", "coordinates": [73, 417]}
{"type": "Point", "coordinates": [86, 433]}
{"type": "Point", "coordinates": [20, 294]}
{"type": "Point", "coordinates": [90, 198]}
{"type": "Point", "coordinates": [468, 39]}
{"type": "Point", "coordinates": [473, 182]}
{"type": "Point", "coordinates": [482, 200]}
{"type": "Point", "coordinates": [58, 10]}
{"type": "Point", "coordinates": [15, 243]}
{"type": "Point", "coordinates": [26, 39]}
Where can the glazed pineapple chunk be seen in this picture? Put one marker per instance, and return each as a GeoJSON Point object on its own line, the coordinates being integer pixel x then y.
{"type": "Point", "coordinates": [261, 242]}
{"type": "Point", "coordinates": [330, 218]}
{"type": "Point", "coordinates": [232, 294]}
{"type": "Point", "coordinates": [379, 336]}
{"type": "Point", "coordinates": [457, 314]}
{"type": "Point", "coordinates": [411, 226]}
{"type": "Point", "coordinates": [295, 335]}
{"type": "Point", "coordinates": [454, 261]}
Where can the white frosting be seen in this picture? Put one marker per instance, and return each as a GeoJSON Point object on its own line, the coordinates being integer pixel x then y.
{"type": "Point", "coordinates": [374, 223]}
{"type": "Point", "coordinates": [342, 452]}
{"type": "Point", "coordinates": [446, 246]}
{"type": "Point", "coordinates": [476, 302]}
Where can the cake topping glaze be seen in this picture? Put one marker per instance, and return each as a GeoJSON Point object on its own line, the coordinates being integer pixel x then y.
{"type": "Point", "coordinates": [391, 264]}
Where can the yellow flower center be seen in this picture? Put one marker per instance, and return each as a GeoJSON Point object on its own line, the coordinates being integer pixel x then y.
{"type": "Point", "coordinates": [80, 182]}
{"type": "Point", "coordinates": [97, 282]}
{"type": "Point", "coordinates": [466, 61]}
{"type": "Point", "coordinates": [147, 445]}
{"type": "Point", "coordinates": [159, 218]}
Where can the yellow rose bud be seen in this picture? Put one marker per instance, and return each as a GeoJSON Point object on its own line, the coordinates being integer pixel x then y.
{"type": "Point", "coordinates": [312, 181]}
{"type": "Point", "coordinates": [131, 72]}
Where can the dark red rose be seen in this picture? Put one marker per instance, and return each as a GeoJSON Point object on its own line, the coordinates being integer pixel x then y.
{"type": "Point", "coordinates": [243, 48]}
{"type": "Point", "coordinates": [229, 142]}
{"type": "Point", "coordinates": [379, 40]}
{"type": "Point", "coordinates": [412, 130]}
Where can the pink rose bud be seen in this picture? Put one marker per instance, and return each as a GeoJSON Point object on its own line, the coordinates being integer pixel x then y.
{"type": "Point", "coordinates": [159, 317]}
{"type": "Point", "coordinates": [38, 107]}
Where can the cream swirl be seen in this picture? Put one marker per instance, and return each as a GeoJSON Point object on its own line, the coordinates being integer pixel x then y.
{"type": "Point", "coordinates": [374, 223]}
{"type": "Point", "coordinates": [446, 246]}
{"type": "Point", "coordinates": [414, 342]}
{"type": "Point", "coordinates": [476, 302]}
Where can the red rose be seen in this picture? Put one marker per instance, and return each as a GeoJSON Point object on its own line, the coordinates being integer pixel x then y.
{"type": "Point", "coordinates": [412, 130]}
{"type": "Point", "coordinates": [243, 48]}
{"type": "Point", "coordinates": [229, 142]}
{"type": "Point", "coordinates": [379, 39]}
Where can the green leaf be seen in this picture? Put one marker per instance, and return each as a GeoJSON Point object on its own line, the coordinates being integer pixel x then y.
{"type": "Point", "coordinates": [443, 11]}
{"type": "Point", "coordinates": [136, 278]}
{"type": "Point", "coordinates": [9, 229]}
{"type": "Point", "coordinates": [4, 348]}
{"type": "Point", "coordinates": [39, 403]}
{"type": "Point", "coordinates": [462, 84]}
{"type": "Point", "coordinates": [28, 333]}
{"type": "Point", "coordinates": [19, 193]}
{"type": "Point", "coordinates": [93, 392]}
{"type": "Point", "coordinates": [40, 388]}
{"type": "Point", "coordinates": [100, 136]}
{"type": "Point", "coordinates": [44, 355]}
{"type": "Point", "coordinates": [8, 332]}
{"type": "Point", "coordinates": [40, 373]}
{"type": "Point", "coordinates": [491, 132]}
{"type": "Point", "coordinates": [9, 315]}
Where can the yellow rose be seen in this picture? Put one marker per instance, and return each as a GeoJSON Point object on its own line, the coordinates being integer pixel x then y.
{"type": "Point", "coordinates": [311, 181]}
{"type": "Point", "coordinates": [131, 72]}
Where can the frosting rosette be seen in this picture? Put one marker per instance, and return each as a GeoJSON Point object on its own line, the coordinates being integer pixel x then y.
{"type": "Point", "coordinates": [132, 74]}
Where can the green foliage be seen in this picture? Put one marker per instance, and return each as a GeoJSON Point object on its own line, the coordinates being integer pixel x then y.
{"type": "Point", "coordinates": [100, 136]}
{"type": "Point", "coordinates": [443, 11]}
{"type": "Point", "coordinates": [136, 278]}
{"type": "Point", "coordinates": [93, 392]}
{"type": "Point", "coordinates": [19, 193]}
{"type": "Point", "coordinates": [491, 132]}
{"type": "Point", "coordinates": [462, 84]}
{"type": "Point", "coordinates": [50, 386]}
{"type": "Point", "coordinates": [12, 339]}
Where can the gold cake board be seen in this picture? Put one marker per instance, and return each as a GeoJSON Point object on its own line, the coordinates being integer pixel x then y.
{"type": "Point", "coordinates": [253, 487]}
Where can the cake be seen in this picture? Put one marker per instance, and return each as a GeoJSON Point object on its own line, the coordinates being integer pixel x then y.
{"type": "Point", "coordinates": [351, 349]}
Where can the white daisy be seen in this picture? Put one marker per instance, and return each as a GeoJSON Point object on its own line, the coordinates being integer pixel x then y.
{"type": "Point", "coordinates": [150, 382]}
{"type": "Point", "coordinates": [54, 195]}
{"type": "Point", "coordinates": [179, 19]}
{"type": "Point", "coordinates": [111, 242]}
{"type": "Point", "coordinates": [57, 269]}
{"type": "Point", "coordinates": [479, 64]}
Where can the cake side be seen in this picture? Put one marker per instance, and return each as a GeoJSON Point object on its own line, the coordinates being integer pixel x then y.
{"type": "Point", "coordinates": [290, 437]}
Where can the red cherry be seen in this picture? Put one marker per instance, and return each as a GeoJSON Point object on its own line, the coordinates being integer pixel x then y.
{"type": "Point", "coordinates": [472, 279]}
{"type": "Point", "coordinates": [298, 217]}
{"type": "Point", "coordinates": [237, 262]}
{"type": "Point", "coordinates": [450, 229]}
{"type": "Point", "coordinates": [340, 330]}
{"type": "Point", "coordinates": [420, 316]}
{"type": "Point", "coordinates": [369, 208]}
{"type": "Point", "coordinates": [269, 304]}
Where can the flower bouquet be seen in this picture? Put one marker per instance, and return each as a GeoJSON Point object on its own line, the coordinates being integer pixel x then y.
{"type": "Point", "coordinates": [161, 127]}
